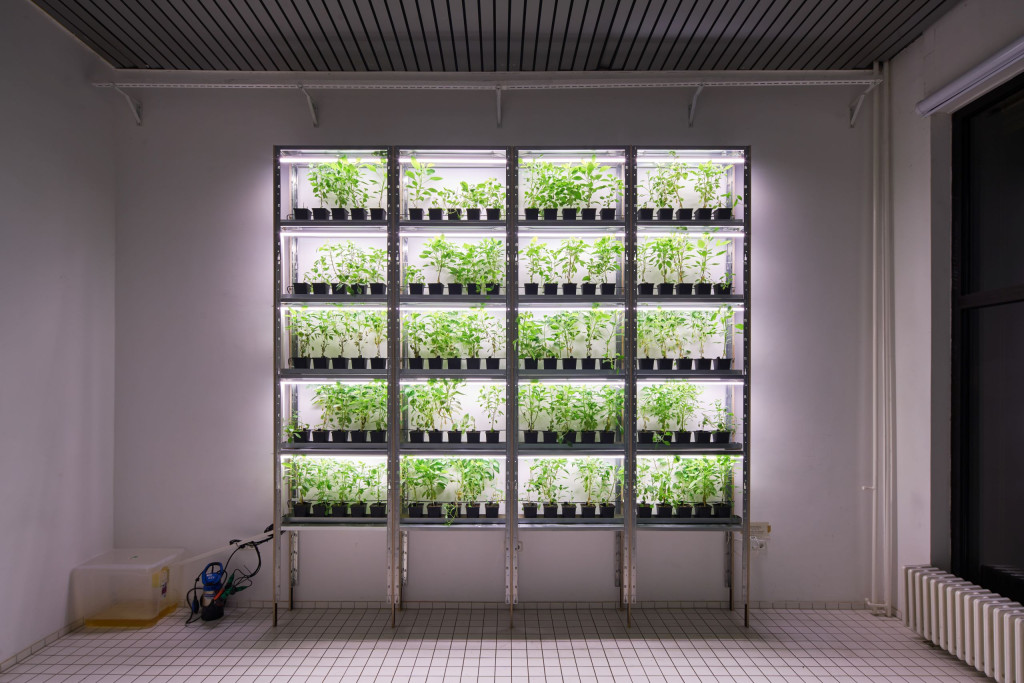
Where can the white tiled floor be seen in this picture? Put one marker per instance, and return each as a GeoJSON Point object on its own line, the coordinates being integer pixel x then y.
{"type": "Point", "coordinates": [477, 645]}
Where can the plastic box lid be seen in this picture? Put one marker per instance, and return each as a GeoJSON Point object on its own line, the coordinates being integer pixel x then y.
{"type": "Point", "coordinates": [130, 587]}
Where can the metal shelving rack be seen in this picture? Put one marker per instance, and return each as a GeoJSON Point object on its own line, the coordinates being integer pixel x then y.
{"type": "Point", "coordinates": [393, 229]}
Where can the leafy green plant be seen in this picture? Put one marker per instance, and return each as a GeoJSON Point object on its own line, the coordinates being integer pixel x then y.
{"type": "Point", "coordinates": [533, 398]}
{"type": "Point", "coordinates": [341, 179]}
{"type": "Point", "coordinates": [705, 252]}
{"type": "Point", "coordinates": [655, 410]}
{"type": "Point", "coordinates": [565, 327]}
{"type": "Point", "coordinates": [300, 473]}
{"type": "Point", "coordinates": [585, 409]}
{"type": "Point", "coordinates": [441, 254]}
{"type": "Point", "coordinates": [544, 474]}
{"type": "Point", "coordinates": [683, 398]}
{"type": "Point", "coordinates": [562, 399]}
{"type": "Point", "coordinates": [414, 275]}
{"type": "Point", "coordinates": [419, 405]}
{"type": "Point", "coordinates": [596, 477]}
{"type": "Point", "coordinates": [595, 324]}
{"type": "Point", "coordinates": [302, 329]}
{"type": "Point", "coordinates": [376, 480]}
{"type": "Point", "coordinates": [540, 187]}
{"type": "Point", "coordinates": [492, 401]}
{"type": "Point", "coordinates": [416, 333]}
{"type": "Point", "coordinates": [531, 339]}
{"type": "Point", "coordinates": [420, 178]}
{"type": "Point", "coordinates": [483, 262]}
{"type": "Point", "coordinates": [567, 257]}
{"type": "Point", "coordinates": [427, 477]}
{"type": "Point", "coordinates": [596, 183]}
{"type": "Point", "coordinates": [613, 401]}
{"type": "Point", "coordinates": [376, 322]}
{"type": "Point", "coordinates": [646, 491]}
{"type": "Point", "coordinates": [725, 477]}
{"type": "Point", "coordinates": [443, 334]}
{"type": "Point", "coordinates": [488, 194]}
{"type": "Point", "coordinates": [473, 476]}
{"type": "Point", "coordinates": [494, 334]}
{"type": "Point", "coordinates": [539, 261]}
{"type": "Point", "coordinates": [719, 418]}
{"type": "Point", "coordinates": [704, 478]}
{"type": "Point", "coordinates": [605, 258]}
{"type": "Point", "coordinates": [708, 180]}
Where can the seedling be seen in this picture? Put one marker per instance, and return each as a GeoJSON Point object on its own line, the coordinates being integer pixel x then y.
{"type": "Point", "coordinates": [544, 473]}
{"type": "Point", "coordinates": [419, 180]}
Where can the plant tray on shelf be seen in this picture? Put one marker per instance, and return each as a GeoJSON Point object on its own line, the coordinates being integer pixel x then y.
{"type": "Point", "coordinates": [455, 521]}
{"type": "Point", "coordinates": [735, 520]}
{"type": "Point", "coordinates": [690, 447]}
{"type": "Point", "coordinates": [570, 521]}
{"type": "Point", "coordinates": [335, 521]}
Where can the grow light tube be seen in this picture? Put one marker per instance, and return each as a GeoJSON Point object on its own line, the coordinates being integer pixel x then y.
{"type": "Point", "coordinates": [558, 232]}
{"type": "Point", "coordinates": [692, 380]}
{"type": "Point", "coordinates": [562, 382]}
{"type": "Point", "coordinates": [307, 232]}
{"type": "Point", "coordinates": [345, 306]}
{"type": "Point", "coordinates": [569, 160]}
{"type": "Point", "coordinates": [654, 305]}
{"type": "Point", "coordinates": [413, 307]}
{"type": "Point", "coordinates": [559, 307]}
{"type": "Point", "coordinates": [424, 230]}
{"type": "Point", "coordinates": [457, 161]}
{"type": "Point", "coordinates": [339, 380]}
{"type": "Point", "coordinates": [651, 160]}
{"type": "Point", "coordinates": [324, 159]}
{"type": "Point", "coordinates": [467, 380]}
{"type": "Point", "coordinates": [643, 232]}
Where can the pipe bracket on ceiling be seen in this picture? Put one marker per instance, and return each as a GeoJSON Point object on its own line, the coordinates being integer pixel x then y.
{"type": "Point", "coordinates": [497, 102]}
{"type": "Point", "coordinates": [133, 104]}
{"type": "Point", "coordinates": [313, 110]}
{"type": "Point", "coordinates": [858, 103]}
{"type": "Point", "coordinates": [692, 110]}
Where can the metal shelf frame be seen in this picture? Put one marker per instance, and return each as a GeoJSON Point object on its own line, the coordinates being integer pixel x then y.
{"type": "Point", "coordinates": [626, 299]}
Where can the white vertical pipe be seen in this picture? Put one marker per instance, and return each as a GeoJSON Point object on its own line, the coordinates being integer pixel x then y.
{"type": "Point", "coordinates": [888, 356]}
{"type": "Point", "coordinates": [872, 600]}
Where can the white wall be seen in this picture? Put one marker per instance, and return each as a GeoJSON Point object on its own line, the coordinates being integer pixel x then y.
{"type": "Point", "coordinates": [970, 33]}
{"type": "Point", "coordinates": [194, 314]}
{"type": "Point", "coordinates": [57, 337]}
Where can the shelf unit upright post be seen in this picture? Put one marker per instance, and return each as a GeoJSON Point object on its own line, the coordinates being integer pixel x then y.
{"type": "Point", "coordinates": [630, 452]}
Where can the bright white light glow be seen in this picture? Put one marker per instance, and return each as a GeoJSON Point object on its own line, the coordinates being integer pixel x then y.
{"type": "Point", "coordinates": [697, 232]}
{"type": "Point", "coordinates": [549, 232]}
{"type": "Point", "coordinates": [340, 380]}
{"type": "Point", "coordinates": [562, 307]}
{"type": "Point", "coordinates": [692, 380]}
{"type": "Point", "coordinates": [460, 306]}
{"type": "Point", "coordinates": [467, 380]}
{"type": "Point", "coordinates": [575, 160]}
{"type": "Point", "coordinates": [424, 231]}
{"type": "Point", "coordinates": [653, 305]}
{"type": "Point", "coordinates": [644, 161]}
{"type": "Point", "coordinates": [341, 306]}
{"type": "Point", "coordinates": [312, 159]}
{"type": "Point", "coordinates": [457, 161]}
{"type": "Point", "coordinates": [570, 382]}
{"type": "Point", "coordinates": [306, 232]}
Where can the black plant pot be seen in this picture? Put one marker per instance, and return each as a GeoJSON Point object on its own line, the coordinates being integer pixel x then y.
{"type": "Point", "coordinates": [378, 509]}
{"type": "Point", "coordinates": [550, 511]}
{"type": "Point", "coordinates": [472, 363]}
{"type": "Point", "coordinates": [684, 214]}
{"type": "Point", "coordinates": [645, 436]}
{"type": "Point", "coordinates": [568, 510]}
{"type": "Point", "coordinates": [530, 510]}
{"type": "Point", "coordinates": [589, 288]}
{"type": "Point", "coordinates": [434, 510]}
{"type": "Point", "coordinates": [684, 288]}
{"type": "Point", "coordinates": [358, 363]}
{"type": "Point", "coordinates": [473, 437]}
{"type": "Point", "coordinates": [357, 509]}
{"type": "Point", "coordinates": [415, 509]}
{"type": "Point", "coordinates": [492, 363]}
{"type": "Point", "coordinates": [550, 288]}
{"type": "Point", "coordinates": [454, 436]}
{"type": "Point", "coordinates": [435, 436]}
{"type": "Point", "coordinates": [665, 214]}
{"type": "Point", "coordinates": [665, 288]}
{"type": "Point", "coordinates": [532, 214]}
{"type": "Point", "coordinates": [646, 214]}
{"type": "Point", "coordinates": [454, 363]}
{"type": "Point", "coordinates": [491, 510]}
{"type": "Point", "coordinates": [492, 436]}
{"type": "Point", "coordinates": [664, 510]}
{"type": "Point", "coordinates": [339, 510]}
{"type": "Point", "coordinates": [473, 214]}
{"type": "Point", "coordinates": [299, 362]}
{"type": "Point", "coordinates": [683, 364]}
{"type": "Point", "coordinates": [702, 289]}
{"type": "Point", "coordinates": [702, 510]}
{"type": "Point", "coordinates": [723, 364]}
{"type": "Point", "coordinates": [321, 215]}
{"type": "Point", "coordinates": [472, 289]}
{"type": "Point", "coordinates": [588, 364]}
{"type": "Point", "coordinates": [701, 363]}
{"type": "Point", "coordinates": [682, 436]}
{"type": "Point", "coordinates": [589, 214]}
{"type": "Point", "coordinates": [722, 214]}
{"type": "Point", "coordinates": [664, 364]}
{"type": "Point", "coordinates": [417, 436]}
{"type": "Point", "coordinates": [357, 289]}
{"type": "Point", "coordinates": [303, 214]}
{"type": "Point", "coordinates": [304, 436]}
{"type": "Point", "coordinates": [435, 214]}
{"type": "Point", "coordinates": [378, 214]}
{"type": "Point", "coordinates": [435, 288]}
{"type": "Point", "coordinates": [588, 511]}
{"type": "Point", "coordinates": [415, 214]}
{"type": "Point", "coordinates": [607, 436]}
{"type": "Point", "coordinates": [568, 214]}
{"type": "Point", "coordinates": [702, 214]}
{"type": "Point", "coordinates": [473, 509]}
{"type": "Point", "coordinates": [455, 289]}
{"type": "Point", "coordinates": [378, 435]}
{"type": "Point", "coordinates": [529, 364]}
{"type": "Point", "coordinates": [455, 214]}
{"type": "Point", "coordinates": [319, 435]}
{"type": "Point", "coordinates": [300, 509]}
{"type": "Point", "coordinates": [588, 436]}
{"type": "Point", "coordinates": [415, 363]}
{"type": "Point", "coordinates": [378, 288]}
{"type": "Point", "coordinates": [607, 510]}
{"type": "Point", "coordinates": [359, 214]}
{"type": "Point", "coordinates": [378, 363]}
{"type": "Point", "coordinates": [551, 214]}
{"type": "Point", "coordinates": [723, 289]}
{"type": "Point", "coordinates": [701, 436]}
{"type": "Point", "coordinates": [320, 362]}
{"type": "Point", "coordinates": [492, 288]}
{"type": "Point", "coordinates": [319, 288]}
{"type": "Point", "coordinates": [318, 510]}
{"type": "Point", "coordinates": [550, 436]}
{"type": "Point", "coordinates": [530, 435]}
{"type": "Point", "coordinates": [435, 363]}
{"type": "Point", "coordinates": [550, 363]}
{"type": "Point", "coordinates": [300, 288]}
{"type": "Point", "coordinates": [606, 364]}
{"type": "Point", "coordinates": [684, 510]}
{"type": "Point", "coordinates": [644, 511]}
{"type": "Point", "coordinates": [569, 289]}
{"type": "Point", "coordinates": [607, 214]}
{"type": "Point", "coordinates": [531, 288]}
{"type": "Point", "coordinates": [358, 435]}
{"type": "Point", "coordinates": [722, 510]}
{"type": "Point", "coordinates": [339, 288]}
{"type": "Point", "coordinates": [721, 437]}
{"type": "Point", "coordinates": [646, 288]}
{"type": "Point", "coordinates": [645, 363]}
{"type": "Point", "coordinates": [494, 214]}
{"type": "Point", "coordinates": [339, 362]}
{"type": "Point", "coordinates": [569, 363]}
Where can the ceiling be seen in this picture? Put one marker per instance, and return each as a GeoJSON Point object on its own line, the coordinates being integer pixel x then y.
{"type": "Point", "coordinates": [494, 35]}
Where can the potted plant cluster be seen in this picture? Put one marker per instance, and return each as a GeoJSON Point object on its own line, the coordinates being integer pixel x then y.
{"type": "Point", "coordinates": [544, 482]}
{"type": "Point", "coordinates": [662, 191]}
{"type": "Point", "coordinates": [549, 268]}
{"type": "Point", "coordinates": [714, 204]}
{"type": "Point", "coordinates": [578, 340]}
{"type": "Point", "coordinates": [344, 269]}
{"type": "Point", "coordinates": [664, 338]}
{"type": "Point", "coordinates": [575, 413]}
{"type": "Point", "coordinates": [425, 482]}
{"type": "Point", "coordinates": [337, 339]}
{"type": "Point", "coordinates": [598, 479]}
{"type": "Point", "coordinates": [470, 340]}
{"type": "Point", "coordinates": [434, 413]}
{"type": "Point", "coordinates": [700, 487]}
{"type": "Point", "coordinates": [349, 413]}
{"type": "Point", "coordinates": [681, 265]}
{"type": "Point", "coordinates": [336, 487]}
{"type": "Point", "coordinates": [474, 268]}
{"type": "Point", "coordinates": [549, 488]}
{"type": "Point", "coordinates": [550, 187]}
{"type": "Point", "coordinates": [346, 187]}
{"type": "Point", "coordinates": [666, 412]}
{"type": "Point", "coordinates": [421, 181]}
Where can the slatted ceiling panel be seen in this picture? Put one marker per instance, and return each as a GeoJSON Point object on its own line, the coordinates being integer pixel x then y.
{"type": "Point", "coordinates": [494, 35]}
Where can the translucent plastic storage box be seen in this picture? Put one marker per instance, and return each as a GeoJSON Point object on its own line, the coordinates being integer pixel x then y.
{"type": "Point", "coordinates": [132, 587]}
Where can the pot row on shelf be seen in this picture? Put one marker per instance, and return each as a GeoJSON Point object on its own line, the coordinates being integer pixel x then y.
{"type": "Point", "coordinates": [529, 289]}
{"type": "Point", "coordinates": [530, 510]}
{"type": "Point", "coordinates": [440, 214]}
{"type": "Point", "coordinates": [582, 364]}
{"type": "Point", "coordinates": [493, 436]}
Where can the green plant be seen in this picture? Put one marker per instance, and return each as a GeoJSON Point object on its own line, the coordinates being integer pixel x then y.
{"type": "Point", "coordinates": [414, 275]}
{"type": "Point", "coordinates": [705, 252]}
{"type": "Point", "coordinates": [703, 326]}
{"type": "Point", "coordinates": [703, 476]}
{"type": "Point", "coordinates": [293, 429]}
{"type": "Point", "coordinates": [441, 254]}
{"type": "Point", "coordinates": [415, 327]}
{"type": "Point", "coordinates": [655, 409]}
{"type": "Point", "coordinates": [300, 473]}
{"type": "Point", "coordinates": [531, 339]}
{"type": "Point", "coordinates": [428, 477]}
{"type": "Point", "coordinates": [596, 183]}
{"type": "Point", "coordinates": [470, 332]}
{"type": "Point", "coordinates": [644, 260]}
{"type": "Point", "coordinates": [376, 481]}
{"type": "Point", "coordinates": [544, 473]}
{"type": "Point", "coordinates": [662, 475]}
{"type": "Point", "coordinates": [532, 402]}
{"type": "Point", "coordinates": [683, 398]}
{"type": "Point", "coordinates": [613, 401]}
{"type": "Point", "coordinates": [585, 409]}
{"type": "Point", "coordinates": [605, 257]}
{"type": "Point", "coordinates": [656, 330]}
{"type": "Point", "coordinates": [341, 179]}
{"type": "Point", "coordinates": [646, 491]}
{"type": "Point", "coordinates": [483, 262]}
{"type": "Point", "coordinates": [539, 261]}
{"type": "Point", "coordinates": [596, 478]}
{"type": "Point", "coordinates": [379, 184]}
{"type": "Point", "coordinates": [376, 322]}
{"type": "Point", "coordinates": [494, 334]}
{"type": "Point", "coordinates": [724, 475]}
{"type": "Point", "coordinates": [567, 257]}
{"type": "Point", "coordinates": [562, 399]}
{"type": "Point", "coordinates": [443, 334]}
{"type": "Point", "coordinates": [302, 329]}
{"type": "Point", "coordinates": [420, 179]}
{"type": "Point", "coordinates": [565, 327]}
{"type": "Point", "coordinates": [709, 177]}
{"type": "Point", "coordinates": [419, 405]}
{"type": "Point", "coordinates": [324, 480]}
{"type": "Point", "coordinates": [595, 323]}
{"type": "Point", "coordinates": [492, 400]}
{"type": "Point", "coordinates": [489, 193]}
{"type": "Point", "coordinates": [719, 418]}
{"type": "Point", "coordinates": [323, 182]}
{"type": "Point", "coordinates": [473, 476]}
{"type": "Point", "coordinates": [539, 187]}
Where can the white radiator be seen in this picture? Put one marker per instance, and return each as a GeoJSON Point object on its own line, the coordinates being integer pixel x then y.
{"type": "Point", "coordinates": [978, 626]}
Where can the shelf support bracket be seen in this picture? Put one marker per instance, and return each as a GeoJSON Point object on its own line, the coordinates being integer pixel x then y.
{"type": "Point", "coordinates": [133, 104]}
{"type": "Point", "coordinates": [313, 111]}
{"type": "Point", "coordinates": [858, 103]}
{"type": "Point", "coordinates": [497, 103]}
{"type": "Point", "coordinates": [692, 109]}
